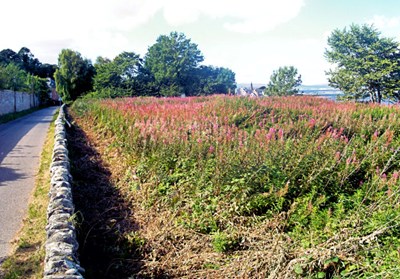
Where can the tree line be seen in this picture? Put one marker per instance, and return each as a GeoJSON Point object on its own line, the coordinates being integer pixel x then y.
{"type": "Point", "coordinates": [21, 71]}
{"type": "Point", "coordinates": [366, 65]}
{"type": "Point", "coordinates": [171, 67]}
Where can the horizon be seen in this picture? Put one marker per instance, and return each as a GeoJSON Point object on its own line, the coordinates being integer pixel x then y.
{"type": "Point", "coordinates": [252, 39]}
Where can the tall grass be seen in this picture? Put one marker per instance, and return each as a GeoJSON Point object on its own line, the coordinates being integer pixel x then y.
{"type": "Point", "coordinates": [323, 176]}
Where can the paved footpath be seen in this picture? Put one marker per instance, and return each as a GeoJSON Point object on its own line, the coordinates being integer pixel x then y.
{"type": "Point", "coordinates": [21, 143]}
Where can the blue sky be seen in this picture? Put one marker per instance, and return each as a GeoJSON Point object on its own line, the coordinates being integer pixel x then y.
{"type": "Point", "coordinates": [252, 37]}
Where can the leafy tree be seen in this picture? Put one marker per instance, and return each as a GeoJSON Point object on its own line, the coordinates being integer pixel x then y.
{"type": "Point", "coordinates": [283, 82]}
{"type": "Point", "coordinates": [123, 76]}
{"type": "Point", "coordinates": [26, 61]}
{"type": "Point", "coordinates": [171, 61]}
{"type": "Point", "coordinates": [74, 75]}
{"type": "Point", "coordinates": [8, 56]}
{"type": "Point", "coordinates": [213, 80]}
{"type": "Point", "coordinates": [367, 65]}
{"type": "Point", "coordinates": [13, 78]}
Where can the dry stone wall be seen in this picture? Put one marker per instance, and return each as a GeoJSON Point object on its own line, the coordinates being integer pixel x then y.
{"type": "Point", "coordinates": [61, 259]}
{"type": "Point", "coordinates": [11, 101]}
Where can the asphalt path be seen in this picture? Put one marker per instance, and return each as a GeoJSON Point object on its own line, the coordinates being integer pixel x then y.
{"type": "Point", "coordinates": [21, 143]}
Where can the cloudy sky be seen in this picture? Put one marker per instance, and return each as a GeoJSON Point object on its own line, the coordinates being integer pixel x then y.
{"type": "Point", "coordinates": [252, 37]}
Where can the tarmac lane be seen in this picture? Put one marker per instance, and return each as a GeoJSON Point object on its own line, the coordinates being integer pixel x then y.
{"type": "Point", "coordinates": [21, 143]}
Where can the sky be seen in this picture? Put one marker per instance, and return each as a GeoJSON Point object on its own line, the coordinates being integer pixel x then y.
{"type": "Point", "coordinates": [252, 38]}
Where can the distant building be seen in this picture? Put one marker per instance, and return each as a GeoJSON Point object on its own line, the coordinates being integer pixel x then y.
{"type": "Point", "coordinates": [244, 91]}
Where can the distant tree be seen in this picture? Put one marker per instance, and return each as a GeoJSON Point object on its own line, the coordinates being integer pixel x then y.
{"type": "Point", "coordinates": [26, 61]}
{"type": "Point", "coordinates": [13, 78]}
{"type": "Point", "coordinates": [38, 86]}
{"type": "Point", "coordinates": [8, 56]}
{"type": "Point", "coordinates": [283, 82]}
{"type": "Point", "coordinates": [213, 80]}
{"type": "Point", "coordinates": [46, 70]}
{"type": "Point", "coordinates": [74, 76]}
{"type": "Point", "coordinates": [366, 64]}
{"type": "Point", "coordinates": [171, 61]}
{"type": "Point", "coordinates": [121, 76]}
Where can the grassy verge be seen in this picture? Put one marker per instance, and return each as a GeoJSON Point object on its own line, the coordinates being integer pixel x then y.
{"type": "Point", "coordinates": [12, 116]}
{"type": "Point", "coordinates": [27, 260]}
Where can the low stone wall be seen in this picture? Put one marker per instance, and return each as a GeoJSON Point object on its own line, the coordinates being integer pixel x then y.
{"type": "Point", "coordinates": [61, 246]}
{"type": "Point", "coordinates": [11, 101]}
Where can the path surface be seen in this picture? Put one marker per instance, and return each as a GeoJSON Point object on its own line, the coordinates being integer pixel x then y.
{"type": "Point", "coordinates": [21, 143]}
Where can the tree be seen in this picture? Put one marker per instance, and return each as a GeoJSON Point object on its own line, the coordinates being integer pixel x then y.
{"type": "Point", "coordinates": [74, 75]}
{"type": "Point", "coordinates": [13, 78]}
{"type": "Point", "coordinates": [367, 65]}
{"type": "Point", "coordinates": [26, 61]}
{"type": "Point", "coordinates": [213, 80]}
{"type": "Point", "coordinates": [171, 61]}
{"type": "Point", "coordinates": [283, 82]}
{"type": "Point", "coordinates": [8, 56]}
{"type": "Point", "coordinates": [121, 76]}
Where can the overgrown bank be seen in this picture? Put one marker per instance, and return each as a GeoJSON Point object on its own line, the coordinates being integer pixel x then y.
{"type": "Point", "coordinates": [236, 187]}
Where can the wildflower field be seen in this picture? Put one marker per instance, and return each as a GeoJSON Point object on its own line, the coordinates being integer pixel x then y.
{"type": "Point", "coordinates": [230, 187]}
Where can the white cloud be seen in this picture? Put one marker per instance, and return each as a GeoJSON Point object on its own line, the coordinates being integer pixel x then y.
{"type": "Point", "coordinates": [382, 22]}
{"type": "Point", "coordinates": [389, 26]}
{"type": "Point", "coordinates": [251, 16]}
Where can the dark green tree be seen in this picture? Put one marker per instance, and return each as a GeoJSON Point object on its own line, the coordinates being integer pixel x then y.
{"type": "Point", "coordinates": [283, 82]}
{"type": "Point", "coordinates": [119, 77]}
{"type": "Point", "coordinates": [8, 56]}
{"type": "Point", "coordinates": [366, 64]}
{"type": "Point", "coordinates": [213, 80]}
{"type": "Point", "coordinates": [74, 76]}
{"type": "Point", "coordinates": [171, 61]}
{"type": "Point", "coordinates": [26, 61]}
{"type": "Point", "coordinates": [13, 78]}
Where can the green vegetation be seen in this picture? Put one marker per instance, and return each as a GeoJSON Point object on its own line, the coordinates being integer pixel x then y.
{"type": "Point", "coordinates": [237, 187]}
{"type": "Point", "coordinates": [170, 68]}
{"type": "Point", "coordinates": [22, 72]}
{"type": "Point", "coordinates": [26, 61]}
{"type": "Point", "coordinates": [73, 76]}
{"type": "Point", "coordinates": [367, 65]}
{"type": "Point", "coordinates": [171, 60]}
{"type": "Point", "coordinates": [27, 260]}
{"type": "Point", "coordinates": [283, 82]}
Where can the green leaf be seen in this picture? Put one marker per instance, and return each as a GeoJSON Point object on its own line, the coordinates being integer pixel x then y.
{"type": "Point", "coordinates": [298, 269]}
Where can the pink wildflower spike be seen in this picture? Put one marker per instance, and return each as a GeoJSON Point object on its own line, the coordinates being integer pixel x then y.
{"type": "Point", "coordinates": [337, 156]}
{"type": "Point", "coordinates": [211, 149]}
{"type": "Point", "coordinates": [395, 175]}
{"type": "Point", "coordinates": [312, 122]}
{"type": "Point", "coordinates": [280, 134]}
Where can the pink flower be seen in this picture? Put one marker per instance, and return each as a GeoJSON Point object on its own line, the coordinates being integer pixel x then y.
{"type": "Point", "coordinates": [312, 122]}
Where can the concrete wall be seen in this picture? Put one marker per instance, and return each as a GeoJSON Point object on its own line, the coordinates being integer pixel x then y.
{"type": "Point", "coordinates": [11, 101]}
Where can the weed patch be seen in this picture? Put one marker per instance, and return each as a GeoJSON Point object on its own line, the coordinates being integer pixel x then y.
{"type": "Point", "coordinates": [235, 187]}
